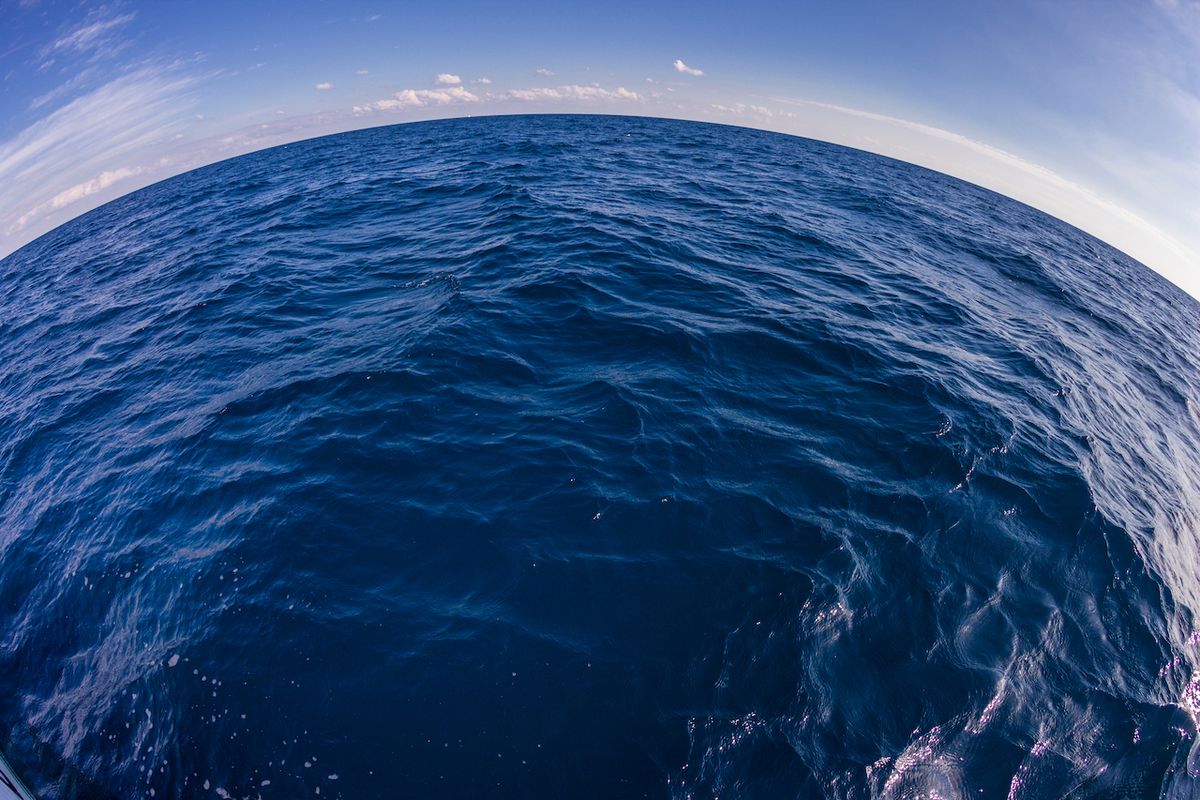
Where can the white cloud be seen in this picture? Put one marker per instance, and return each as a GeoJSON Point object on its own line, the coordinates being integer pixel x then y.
{"type": "Point", "coordinates": [686, 70]}
{"type": "Point", "coordinates": [484, 81]}
{"type": "Point", "coordinates": [362, 72]}
{"type": "Point", "coordinates": [572, 92]}
{"type": "Point", "coordinates": [545, 73]}
{"type": "Point", "coordinates": [409, 99]}
{"type": "Point", "coordinates": [419, 98]}
{"type": "Point", "coordinates": [447, 79]}
{"type": "Point", "coordinates": [79, 191]}
{"type": "Point", "coordinates": [744, 108]}
{"type": "Point", "coordinates": [324, 86]}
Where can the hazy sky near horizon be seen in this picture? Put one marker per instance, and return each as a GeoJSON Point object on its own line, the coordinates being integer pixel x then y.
{"type": "Point", "coordinates": [1089, 111]}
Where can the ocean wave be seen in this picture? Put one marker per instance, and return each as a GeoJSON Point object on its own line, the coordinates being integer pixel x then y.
{"type": "Point", "coordinates": [594, 457]}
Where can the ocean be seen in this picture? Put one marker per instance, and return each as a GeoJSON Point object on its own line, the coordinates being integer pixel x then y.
{"type": "Point", "coordinates": [594, 457]}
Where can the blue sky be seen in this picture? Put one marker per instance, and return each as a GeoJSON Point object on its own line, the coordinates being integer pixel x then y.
{"type": "Point", "coordinates": [1087, 110]}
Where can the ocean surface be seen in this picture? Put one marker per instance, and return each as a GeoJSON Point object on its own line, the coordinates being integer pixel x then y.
{"type": "Point", "coordinates": [594, 457]}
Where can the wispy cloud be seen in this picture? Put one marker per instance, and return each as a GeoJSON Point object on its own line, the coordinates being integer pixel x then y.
{"type": "Point", "coordinates": [686, 70]}
{"type": "Point", "coordinates": [545, 73]}
{"type": "Point", "coordinates": [362, 72]}
{"type": "Point", "coordinates": [483, 81]}
{"type": "Point", "coordinates": [419, 98]}
{"type": "Point", "coordinates": [81, 79]}
{"type": "Point", "coordinates": [1179, 5]}
{"type": "Point", "coordinates": [447, 79]}
{"type": "Point", "coordinates": [93, 35]}
{"type": "Point", "coordinates": [97, 141]}
{"type": "Point", "coordinates": [323, 86]}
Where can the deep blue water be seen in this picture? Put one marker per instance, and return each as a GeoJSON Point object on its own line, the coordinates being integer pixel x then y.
{"type": "Point", "coordinates": [594, 457]}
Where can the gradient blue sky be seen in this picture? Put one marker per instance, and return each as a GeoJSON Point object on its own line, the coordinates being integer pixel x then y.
{"type": "Point", "coordinates": [1087, 110]}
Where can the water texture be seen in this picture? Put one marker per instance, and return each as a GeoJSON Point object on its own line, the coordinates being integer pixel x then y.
{"type": "Point", "coordinates": [594, 457]}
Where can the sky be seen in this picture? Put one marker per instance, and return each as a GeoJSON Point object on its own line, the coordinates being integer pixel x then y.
{"type": "Point", "coordinates": [1086, 109]}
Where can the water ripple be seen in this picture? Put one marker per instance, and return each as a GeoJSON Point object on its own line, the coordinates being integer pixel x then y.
{"type": "Point", "coordinates": [594, 457]}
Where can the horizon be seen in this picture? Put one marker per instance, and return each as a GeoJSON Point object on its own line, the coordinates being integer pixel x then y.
{"type": "Point", "coordinates": [614, 115]}
{"type": "Point", "coordinates": [1033, 103]}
